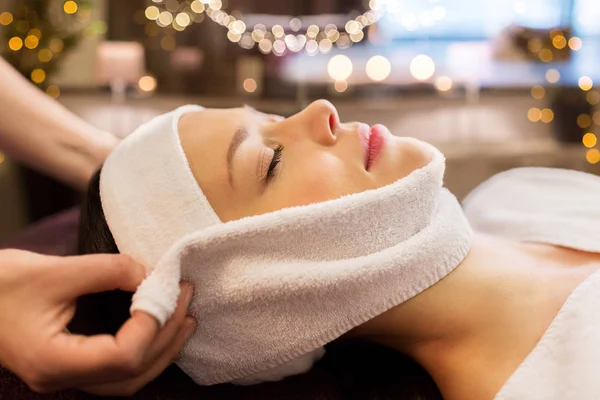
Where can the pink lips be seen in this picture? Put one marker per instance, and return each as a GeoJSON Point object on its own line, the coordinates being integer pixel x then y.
{"type": "Point", "coordinates": [375, 143]}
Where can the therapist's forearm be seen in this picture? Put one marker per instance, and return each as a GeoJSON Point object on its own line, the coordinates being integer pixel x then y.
{"type": "Point", "coordinates": [44, 135]}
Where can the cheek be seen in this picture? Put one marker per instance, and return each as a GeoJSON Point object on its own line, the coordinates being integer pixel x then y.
{"type": "Point", "coordinates": [319, 179]}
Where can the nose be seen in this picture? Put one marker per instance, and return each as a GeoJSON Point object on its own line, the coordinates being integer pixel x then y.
{"type": "Point", "coordinates": [320, 121]}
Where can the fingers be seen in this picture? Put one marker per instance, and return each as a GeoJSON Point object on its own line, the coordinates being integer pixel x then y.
{"type": "Point", "coordinates": [79, 275]}
{"type": "Point", "coordinates": [131, 386]}
{"type": "Point", "coordinates": [174, 324]}
{"type": "Point", "coordinates": [134, 351]}
{"type": "Point", "coordinates": [104, 357]}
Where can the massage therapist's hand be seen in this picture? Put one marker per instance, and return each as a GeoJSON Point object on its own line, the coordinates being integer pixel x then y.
{"type": "Point", "coordinates": [37, 301]}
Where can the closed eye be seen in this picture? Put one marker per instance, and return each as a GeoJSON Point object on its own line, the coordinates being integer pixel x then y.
{"type": "Point", "coordinates": [276, 159]}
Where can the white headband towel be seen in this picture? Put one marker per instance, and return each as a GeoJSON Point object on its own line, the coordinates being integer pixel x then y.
{"type": "Point", "coordinates": [271, 290]}
{"type": "Point", "coordinates": [149, 195]}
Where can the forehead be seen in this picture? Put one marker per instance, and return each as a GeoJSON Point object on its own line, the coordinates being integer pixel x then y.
{"type": "Point", "coordinates": [210, 124]}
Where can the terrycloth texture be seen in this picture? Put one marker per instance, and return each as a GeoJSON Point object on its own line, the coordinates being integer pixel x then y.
{"type": "Point", "coordinates": [149, 195]}
{"type": "Point", "coordinates": [275, 287]}
{"type": "Point", "coordinates": [559, 207]}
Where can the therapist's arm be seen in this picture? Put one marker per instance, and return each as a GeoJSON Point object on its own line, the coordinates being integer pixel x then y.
{"type": "Point", "coordinates": [44, 135]}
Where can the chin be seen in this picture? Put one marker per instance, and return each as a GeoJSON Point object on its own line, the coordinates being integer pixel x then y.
{"type": "Point", "coordinates": [402, 156]}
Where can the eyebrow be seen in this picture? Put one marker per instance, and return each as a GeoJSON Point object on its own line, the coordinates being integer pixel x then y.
{"type": "Point", "coordinates": [238, 138]}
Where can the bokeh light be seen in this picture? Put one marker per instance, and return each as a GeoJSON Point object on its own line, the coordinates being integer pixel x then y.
{"type": "Point", "coordinates": [545, 55]}
{"type": "Point", "coordinates": [35, 32]}
{"type": "Point", "coordinates": [250, 85]}
{"type": "Point", "coordinates": [589, 140]}
{"type": "Point", "coordinates": [340, 86]}
{"type": "Point", "coordinates": [586, 83]}
{"type": "Point", "coordinates": [38, 75]}
{"type": "Point", "coordinates": [552, 75]}
{"type": "Point", "coordinates": [422, 67]}
{"type": "Point", "coordinates": [378, 68]}
{"type": "Point", "coordinates": [53, 91]}
{"type": "Point", "coordinates": [584, 121]}
{"type": "Point", "coordinates": [534, 45]}
{"type": "Point", "coordinates": [534, 114]}
{"type": "Point", "coordinates": [165, 18]}
{"type": "Point", "coordinates": [1, 158]}
{"type": "Point", "coordinates": [443, 84]}
{"type": "Point", "coordinates": [45, 55]}
{"type": "Point", "coordinates": [6, 18]}
{"type": "Point", "coordinates": [538, 92]}
{"type": "Point", "coordinates": [575, 43]}
{"type": "Point", "coordinates": [31, 42]}
{"type": "Point", "coordinates": [593, 156]}
{"type": "Point", "coordinates": [547, 115]}
{"type": "Point", "coordinates": [147, 83]}
{"type": "Point", "coordinates": [339, 67]}
{"type": "Point", "coordinates": [168, 43]}
{"type": "Point", "coordinates": [70, 7]}
{"type": "Point", "coordinates": [56, 45]}
{"type": "Point", "coordinates": [152, 13]}
{"type": "Point", "coordinates": [15, 43]}
{"type": "Point", "coordinates": [197, 6]}
{"type": "Point", "coordinates": [559, 41]}
{"type": "Point", "coordinates": [325, 46]}
{"type": "Point", "coordinates": [593, 98]}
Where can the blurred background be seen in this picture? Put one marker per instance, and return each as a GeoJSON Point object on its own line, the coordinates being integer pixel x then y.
{"type": "Point", "coordinates": [494, 84]}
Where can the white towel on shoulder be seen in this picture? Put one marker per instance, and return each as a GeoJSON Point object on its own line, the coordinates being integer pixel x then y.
{"type": "Point", "coordinates": [560, 207]}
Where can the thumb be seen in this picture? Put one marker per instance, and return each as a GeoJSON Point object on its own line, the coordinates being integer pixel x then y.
{"type": "Point", "coordinates": [97, 273]}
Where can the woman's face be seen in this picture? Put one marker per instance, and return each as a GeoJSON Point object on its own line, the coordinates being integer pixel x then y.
{"type": "Point", "coordinates": [249, 163]}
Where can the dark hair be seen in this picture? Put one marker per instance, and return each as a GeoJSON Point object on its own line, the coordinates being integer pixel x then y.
{"type": "Point", "coordinates": [351, 369]}
{"type": "Point", "coordinates": [99, 312]}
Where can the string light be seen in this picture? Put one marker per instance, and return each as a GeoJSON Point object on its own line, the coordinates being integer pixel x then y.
{"type": "Point", "coordinates": [162, 13]}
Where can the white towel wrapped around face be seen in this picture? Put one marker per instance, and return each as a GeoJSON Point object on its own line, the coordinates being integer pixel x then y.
{"type": "Point", "coordinates": [271, 290]}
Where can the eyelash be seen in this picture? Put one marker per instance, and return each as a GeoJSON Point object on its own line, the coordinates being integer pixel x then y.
{"type": "Point", "coordinates": [274, 162]}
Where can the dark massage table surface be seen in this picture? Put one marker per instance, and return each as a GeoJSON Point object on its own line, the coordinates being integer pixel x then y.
{"type": "Point", "coordinates": [348, 371]}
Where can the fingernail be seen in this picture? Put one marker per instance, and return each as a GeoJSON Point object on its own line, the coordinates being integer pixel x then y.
{"type": "Point", "coordinates": [189, 292]}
